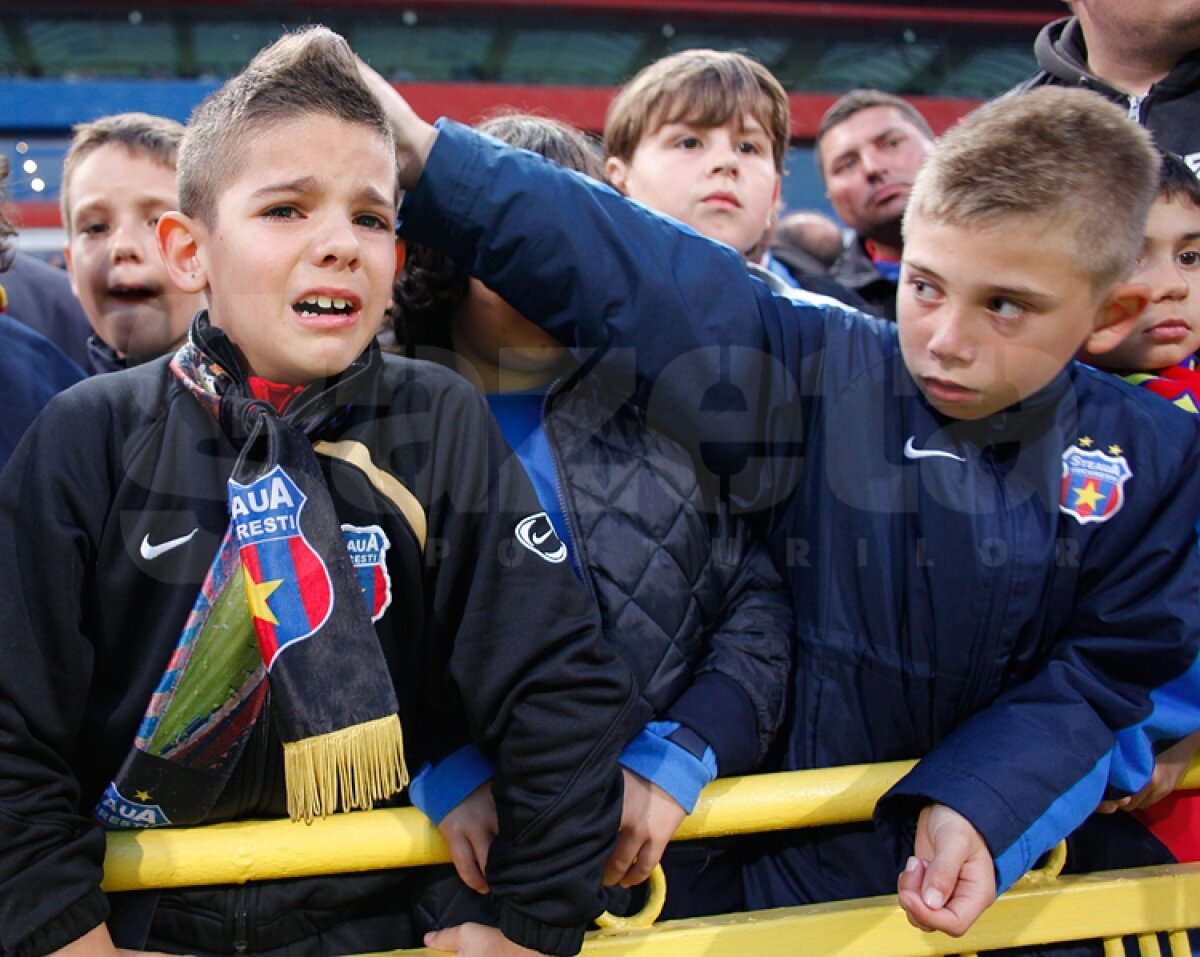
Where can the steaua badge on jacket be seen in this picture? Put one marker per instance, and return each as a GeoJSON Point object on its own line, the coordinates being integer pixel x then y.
{"type": "Point", "coordinates": [1093, 482]}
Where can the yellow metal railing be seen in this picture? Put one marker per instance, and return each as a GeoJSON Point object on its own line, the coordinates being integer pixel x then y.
{"type": "Point", "coordinates": [1040, 909]}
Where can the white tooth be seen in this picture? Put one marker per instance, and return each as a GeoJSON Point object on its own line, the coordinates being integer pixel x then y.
{"type": "Point", "coordinates": [340, 304]}
{"type": "Point", "coordinates": [324, 302]}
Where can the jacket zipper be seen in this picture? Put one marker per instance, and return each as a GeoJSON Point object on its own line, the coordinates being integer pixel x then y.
{"type": "Point", "coordinates": [564, 506]}
{"type": "Point", "coordinates": [1135, 108]}
{"type": "Point", "coordinates": [994, 622]}
{"type": "Point", "coordinates": [241, 920]}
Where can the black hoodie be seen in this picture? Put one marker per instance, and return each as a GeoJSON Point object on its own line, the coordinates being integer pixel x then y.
{"type": "Point", "coordinates": [1170, 110]}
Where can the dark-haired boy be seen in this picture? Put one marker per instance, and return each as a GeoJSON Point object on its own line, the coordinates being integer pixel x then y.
{"type": "Point", "coordinates": [991, 549]}
{"type": "Point", "coordinates": [268, 574]}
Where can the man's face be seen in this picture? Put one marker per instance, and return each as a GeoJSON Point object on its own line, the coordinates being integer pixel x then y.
{"type": "Point", "coordinates": [1170, 27]}
{"type": "Point", "coordinates": [719, 180]}
{"type": "Point", "coordinates": [869, 163]}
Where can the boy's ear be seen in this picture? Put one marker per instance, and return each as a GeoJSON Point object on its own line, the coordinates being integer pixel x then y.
{"type": "Point", "coordinates": [179, 240]}
{"type": "Point", "coordinates": [1118, 314]}
{"type": "Point", "coordinates": [617, 172]}
{"type": "Point", "coordinates": [69, 259]}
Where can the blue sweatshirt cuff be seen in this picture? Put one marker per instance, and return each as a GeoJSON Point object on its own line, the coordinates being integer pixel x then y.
{"type": "Point", "coordinates": [665, 753]}
{"type": "Point", "coordinates": [718, 709]}
{"type": "Point", "coordinates": [439, 788]}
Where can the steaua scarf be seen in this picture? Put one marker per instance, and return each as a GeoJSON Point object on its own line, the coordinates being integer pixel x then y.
{"type": "Point", "coordinates": [1179, 384]}
{"type": "Point", "coordinates": [280, 609]}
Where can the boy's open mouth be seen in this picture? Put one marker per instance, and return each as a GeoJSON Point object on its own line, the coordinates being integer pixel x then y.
{"type": "Point", "coordinates": [132, 295]}
{"type": "Point", "coordinates": [325, 306]}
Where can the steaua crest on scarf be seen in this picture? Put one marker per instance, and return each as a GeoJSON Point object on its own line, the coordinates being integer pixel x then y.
{"type": "Point", "coordinates": [281, 610]}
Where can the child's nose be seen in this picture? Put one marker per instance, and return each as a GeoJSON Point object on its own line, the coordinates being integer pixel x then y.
{"type": "Point", "coordinates": [128, 244]}
{"type": "Point", "coordinates": [950, 341]}
{"type": "Point", "coordinates": [338, 245]}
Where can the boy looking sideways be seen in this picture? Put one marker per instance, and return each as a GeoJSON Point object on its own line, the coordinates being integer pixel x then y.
{"type": "Point", "coordinates": [118, 179]}
{"type": "Point", "coordinates": [986, 543]}
{"type": "Point", "coordinates": [286, 569]}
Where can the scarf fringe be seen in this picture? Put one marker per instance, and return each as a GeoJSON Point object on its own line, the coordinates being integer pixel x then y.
{"type": "Point", "coordinates": [359, 765]}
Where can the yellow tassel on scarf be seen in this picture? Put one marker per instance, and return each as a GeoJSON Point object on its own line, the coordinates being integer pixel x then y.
{"type": "Point", "coordinates": [352, 767]}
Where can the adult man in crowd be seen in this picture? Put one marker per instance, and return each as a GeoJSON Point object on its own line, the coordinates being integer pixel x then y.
{"type": "Point", "coordinates": [1144, 56]}
{"type": "Point", "coordinates": [869, 147]}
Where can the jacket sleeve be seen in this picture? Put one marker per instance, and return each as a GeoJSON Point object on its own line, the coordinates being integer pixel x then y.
{"type": "Point", "coordinates": [725, 376]}
{"type": "Point", "coordinates": [736, 702]}
{"type": "Point", "coordinates": [547, 700]}
{"type": "Point", "coordinates": [1029, 768]}
{"type": "Point", "coordinates": [51, 855]}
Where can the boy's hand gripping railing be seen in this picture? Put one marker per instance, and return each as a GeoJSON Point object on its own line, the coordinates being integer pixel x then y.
{"type": "Point", "coordinates": [1040, 909]}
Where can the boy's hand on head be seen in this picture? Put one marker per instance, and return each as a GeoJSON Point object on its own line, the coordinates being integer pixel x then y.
{"type": "Point", "coordinates": [475, 940]}
{"type": "Point", "coordinates": [649, 819]}
{"type": "Point", "coordinates": [414, 137]}
{"type": "Point", "coordinates": [469, 829]}
{"type": "Point", "coordinates": [950, 879]}
{"type": "Point", "coordinates": [1169, 767]}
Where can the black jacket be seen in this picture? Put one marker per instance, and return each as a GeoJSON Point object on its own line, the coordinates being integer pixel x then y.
{"type": "Point", "coordinates": [481, 635]}
{"type": "Point", "coordinates": [694, 605]}
{"type": "Point", "coordinates": [1171, 110]}
{"type": "Point", "coordinates": [855, 270]}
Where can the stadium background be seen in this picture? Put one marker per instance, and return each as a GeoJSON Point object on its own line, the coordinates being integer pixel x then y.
{"type": "Point", "coordinates": [65, 62]}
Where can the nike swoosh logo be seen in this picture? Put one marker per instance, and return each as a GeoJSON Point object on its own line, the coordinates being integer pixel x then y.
{"type": "Point", "coordinates": [151, 552]}
{"type": "Point", "coordinates": [912, 452]}
{"type": "Point", "coordinates": [538, 539]}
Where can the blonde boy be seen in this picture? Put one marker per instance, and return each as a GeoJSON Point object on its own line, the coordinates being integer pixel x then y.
{"type": "Point", "coordinates": [990, 549]}
{"type": "Point", "coordinates": [275, 570]}
{"type": "Point", "coordinates": [118, 179]}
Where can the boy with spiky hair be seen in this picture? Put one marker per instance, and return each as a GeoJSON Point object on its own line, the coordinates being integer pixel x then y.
{"type": "Point", "coordinates": [118, 178]}
{"type": "Point", "coordinates": [990, 548]}
{"type": "Point", "coordinates": [271, 572]}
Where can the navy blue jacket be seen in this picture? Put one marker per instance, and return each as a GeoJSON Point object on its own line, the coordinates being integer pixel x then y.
{"type": "Point", "coordinates": [962, 602]}
{"type": "Point", "coordinates": [40, 296]}
{"type": "Point", "coordinates": [32, 371]}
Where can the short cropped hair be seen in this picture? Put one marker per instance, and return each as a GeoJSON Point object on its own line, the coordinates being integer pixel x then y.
{"type": "Point", "coordinates": [1052, 154]}
{"type": "Point", "coordinates": [155, 136]}
{"type": "Point", "coordinates": [431, 285]}
{"type": "Point", "coordinates": [706, 88]}
{"type": "Point", "coordinates": [309, 72]}
{"type": "Point", "coordinates": [852, 103]}
{"type": "Point", "coordinates": [1177, 181]}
